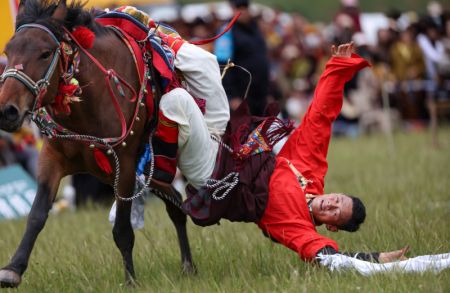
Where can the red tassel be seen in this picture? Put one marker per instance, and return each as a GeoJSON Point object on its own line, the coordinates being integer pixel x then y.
{"type": "Point", "coordinates": [61, 104]}
{"type": "Point", "coordinates": [84, 36]}
{"type": "Point", "coordinates": [276, 129]}
{"type": "Point", "coordinates": [102, 161]}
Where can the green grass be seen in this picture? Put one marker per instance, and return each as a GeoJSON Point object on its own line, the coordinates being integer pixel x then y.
{"type": "Point", "coordinates": [407, 195]}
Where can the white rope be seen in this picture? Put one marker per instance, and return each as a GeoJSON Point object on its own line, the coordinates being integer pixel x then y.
{"type": "Point", "coordinates": [221, 184]}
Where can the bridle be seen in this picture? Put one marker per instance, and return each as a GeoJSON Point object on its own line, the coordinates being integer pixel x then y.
{"type": "Point", "coordinates": [37, 88]}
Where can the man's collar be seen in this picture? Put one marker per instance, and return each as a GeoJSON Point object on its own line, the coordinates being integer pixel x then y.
{"type": "Point", "coordinates": [309, 200]}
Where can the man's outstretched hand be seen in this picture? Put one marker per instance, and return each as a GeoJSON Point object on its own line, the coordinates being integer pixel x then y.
{"type": "Point", "coordinates": [393, 255]}
{"type": "Point", "coordinates": [344, 50]}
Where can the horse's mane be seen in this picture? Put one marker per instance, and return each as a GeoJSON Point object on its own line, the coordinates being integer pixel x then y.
{"type": "Point", "coordinates": [40, 11]}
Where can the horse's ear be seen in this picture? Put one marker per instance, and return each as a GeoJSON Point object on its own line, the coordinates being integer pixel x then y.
{"type": "Point", "coordinates": [21, 6]}
{"type": "Point", "coordinates": [60, 12]}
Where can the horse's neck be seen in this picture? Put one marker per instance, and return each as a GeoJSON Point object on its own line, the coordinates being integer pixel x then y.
{"type": "Point", "coordinates": [95, 114]}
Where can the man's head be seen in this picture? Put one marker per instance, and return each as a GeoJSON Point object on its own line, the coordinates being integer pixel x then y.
{"type": "Point", "coordinates": [338, 212]}
{"type": "Point", "coordinates": [240, 3]}
{"type": "Point", "coordinates": [241, 6]}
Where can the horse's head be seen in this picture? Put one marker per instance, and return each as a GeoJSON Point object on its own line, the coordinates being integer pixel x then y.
{"type": "Point", "coordinates": [31, 77]}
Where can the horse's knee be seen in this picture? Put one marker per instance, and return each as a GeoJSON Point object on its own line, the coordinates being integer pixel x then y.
{"type": "Point", "coordinates": [175, 214]}
{"type": "Point", "coordinates": [119, 231]}
{"type": "Point", "coordinates": [123, 236]}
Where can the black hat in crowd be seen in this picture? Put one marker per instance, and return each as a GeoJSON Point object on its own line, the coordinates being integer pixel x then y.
{"type": "Point", "coordinates": [240, 3]}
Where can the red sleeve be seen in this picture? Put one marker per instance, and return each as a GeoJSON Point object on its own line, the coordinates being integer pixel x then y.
{"type": "Point", "coordinates": [307, 147]}
{"type": "Point", "coordinates": [287, 217]}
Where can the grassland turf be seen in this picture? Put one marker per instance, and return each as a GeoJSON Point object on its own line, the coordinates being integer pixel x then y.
{"type": "Point", "coordinates": [407, 195]}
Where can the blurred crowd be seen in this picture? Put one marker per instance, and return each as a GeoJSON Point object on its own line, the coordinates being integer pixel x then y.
{"type": "Point", "coordinates": [409, 53]}
{"type": "Point", "coordinates": [410, 57]}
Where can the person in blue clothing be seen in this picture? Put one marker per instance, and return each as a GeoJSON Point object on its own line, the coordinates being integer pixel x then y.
{"type": "Point", "coordinates": [245, 46]}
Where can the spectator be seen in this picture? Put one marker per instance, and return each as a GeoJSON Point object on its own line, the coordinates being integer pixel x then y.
{"type": "Point", "coordinates": [25, 151]}
{"type": "Point", "coordinates": [408, 68]}
{"type": "Point", "coordinates": [433, 49]}
{"type": "Point", "coordinates": [246, 47]}
{"type": "Point", "coordinates": [444, 67]}
{"type": "Point", "coordinates": [89, 189]}
{"type": "Point", "coordinates": [7, 156]}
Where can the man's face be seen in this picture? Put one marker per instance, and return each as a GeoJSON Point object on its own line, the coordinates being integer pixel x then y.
{"type": "Point", "coordinates": [333, 210]}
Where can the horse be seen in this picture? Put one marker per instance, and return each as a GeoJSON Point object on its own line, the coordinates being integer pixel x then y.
{"type": "Point", "coordinates": [40, 56]}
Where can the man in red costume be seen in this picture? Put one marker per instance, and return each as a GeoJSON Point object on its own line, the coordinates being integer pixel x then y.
{"type": "Point", "coordinates": [289, 205]}
{"type": "Point", "coordinates": [297, 202]}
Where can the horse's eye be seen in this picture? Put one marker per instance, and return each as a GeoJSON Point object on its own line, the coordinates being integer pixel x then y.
{"type": "Point", "coordinates": [45, 55]}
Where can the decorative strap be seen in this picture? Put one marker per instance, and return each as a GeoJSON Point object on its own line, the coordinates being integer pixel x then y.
{"type": "Point", "coordinates": [301, 179]}
{"type": "Point", "coordinates": [22, 77]}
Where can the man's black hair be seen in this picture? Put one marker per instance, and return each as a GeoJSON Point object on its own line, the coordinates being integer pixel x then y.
{"type": "Point", "coordinates": [358, 216]}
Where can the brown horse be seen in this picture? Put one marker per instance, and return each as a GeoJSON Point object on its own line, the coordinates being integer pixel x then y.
{"type": "Point", "coordinates": [31, 81]}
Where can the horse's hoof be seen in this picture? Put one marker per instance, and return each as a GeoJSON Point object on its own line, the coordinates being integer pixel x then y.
{"type": "Point", "coordinates": [188, 268]}
{"type": "Point", "coordinates": [9, 279]}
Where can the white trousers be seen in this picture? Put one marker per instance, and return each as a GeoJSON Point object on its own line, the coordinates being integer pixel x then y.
{"type": "Point", "coordinates": [202, 74]}
{"type": "Point", "coordinates": [196, 150]}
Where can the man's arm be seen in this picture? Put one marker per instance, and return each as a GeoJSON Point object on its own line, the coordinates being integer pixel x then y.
{"type": "Point", "coordinates": [381, 257]}
{"type": "Point", "coordinates": [307, 147]}
{"type": "Point", "coordinates": [372, 256]}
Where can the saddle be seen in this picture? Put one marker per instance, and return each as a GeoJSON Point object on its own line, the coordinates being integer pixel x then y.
{"type": "Point", "coordinates": [151, 45]}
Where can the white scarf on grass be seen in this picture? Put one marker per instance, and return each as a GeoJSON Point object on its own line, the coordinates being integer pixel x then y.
{"type": "Point", "coordinates": [434, 263]}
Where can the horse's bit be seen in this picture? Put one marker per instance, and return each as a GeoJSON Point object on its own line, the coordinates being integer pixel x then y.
{"type": "Point", "coordinates": [38, 88]}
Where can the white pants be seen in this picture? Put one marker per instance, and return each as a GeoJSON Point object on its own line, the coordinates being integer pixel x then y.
{"type": "Point", "coordinates": [202, 74]}
{"type": "Point", "coordinates": [196, 150]}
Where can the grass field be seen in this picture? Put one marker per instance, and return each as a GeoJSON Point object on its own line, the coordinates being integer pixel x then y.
{"type": "Point", "coordinates": [408, 200]}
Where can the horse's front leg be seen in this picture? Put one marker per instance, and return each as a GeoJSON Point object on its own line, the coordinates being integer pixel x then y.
{"type": "Point", "coordinates": [50, 172]}
{"type": "Point", "coordinates": [122, 231]}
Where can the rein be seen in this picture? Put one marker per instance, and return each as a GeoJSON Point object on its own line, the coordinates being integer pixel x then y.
{"type": "Point", "coordinates": [111, 75]}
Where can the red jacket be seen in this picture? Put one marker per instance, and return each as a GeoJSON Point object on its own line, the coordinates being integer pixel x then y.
{"type": "Point", "coordinates": [287, 218]}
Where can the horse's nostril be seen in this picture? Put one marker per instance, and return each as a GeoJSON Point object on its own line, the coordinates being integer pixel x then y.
{"type": "Point", "coordinates": [11, 113]}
